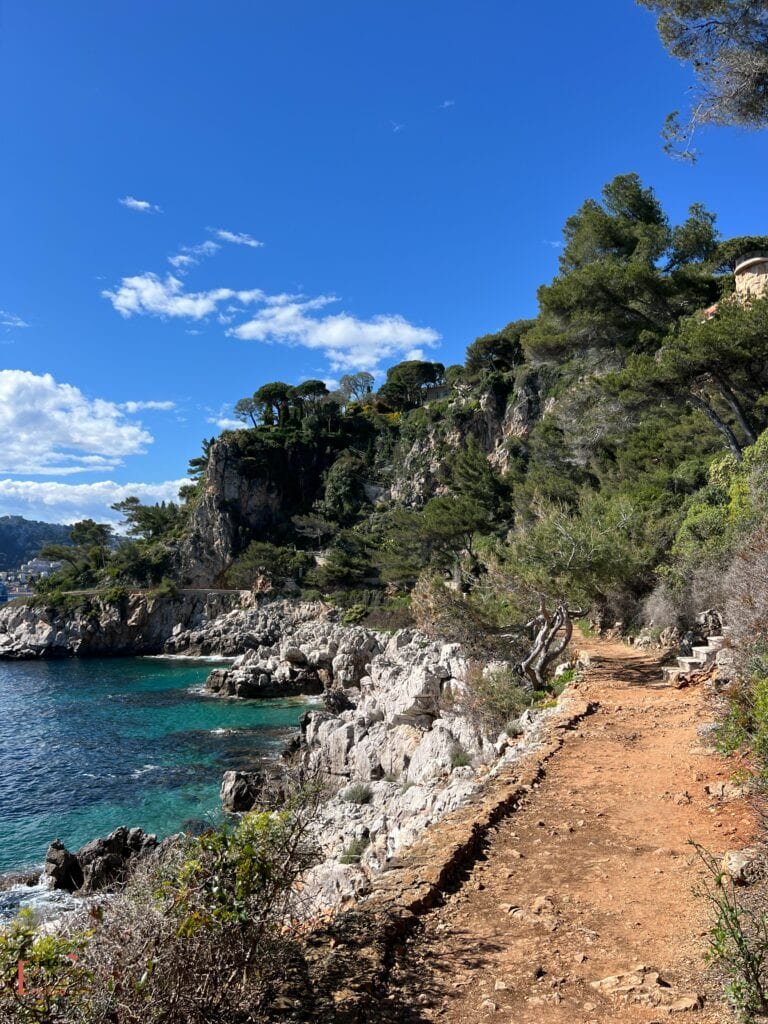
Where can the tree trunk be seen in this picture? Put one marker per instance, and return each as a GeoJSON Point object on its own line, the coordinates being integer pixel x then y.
{"type": "Point", "coordinates": [720, 425]}
{"type": "Point", "coordinates": [546, 647]}
{"type": "Point", "coordinates": [735, 406]}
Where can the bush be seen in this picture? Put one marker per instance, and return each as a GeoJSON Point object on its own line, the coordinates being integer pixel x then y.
{"type": "Point", "coordinates": [459, 757]}
{"type": "Point", "coordinates": [357, 793]}
{"type": "Point", "coordinates": [40, 974]}
{"type": "Point", "coordinates": [354, 851]}
{"type": "Point", "coordinates": [738, 941]}
{"type": "Point", "coordinates": [165, 588]}
{"type": "Point", "coordinates": [493, 698]}
{"type": "Point", "coordinates": [198, 934]}
{"type": "Point", "coordinates": [114, 595]}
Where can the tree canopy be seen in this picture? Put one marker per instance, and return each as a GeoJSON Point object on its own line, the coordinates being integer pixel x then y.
{"type": "Point", "coordinates": [726, 44]}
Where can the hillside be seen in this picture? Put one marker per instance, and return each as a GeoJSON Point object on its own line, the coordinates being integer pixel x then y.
{"type": "Point", "coordinates": [22, 539]}
{"type": "Point", "coordinates": [577, 459]}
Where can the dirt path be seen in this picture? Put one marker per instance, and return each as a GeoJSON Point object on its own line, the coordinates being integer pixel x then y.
{"type": "Point", "coordinates": [592, 876]}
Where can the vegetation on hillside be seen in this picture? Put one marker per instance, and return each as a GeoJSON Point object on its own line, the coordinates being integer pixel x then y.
{"type": "Point", "coordinates": [610, 420]}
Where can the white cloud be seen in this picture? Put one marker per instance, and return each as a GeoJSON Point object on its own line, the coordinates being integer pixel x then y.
{"type": "Point", "coordinates": [49, 428]}
{"type": "Point", "coordinates": [133, 407]}
{"type": "Point", "coordinates": [140, 205]}
{"type": "Point", "coordinates": [148, 293]}
{"type": "Point", "coordinates": [347, 342]}
{"type": "Point", "coordinates": [189, 255]}
{"type": "Point", "coordinates": [226, 423]}
{"type": "Point", "coordinates": [447, 103]}
{"type": "Point", "coordinates": [237, 238]}
{"type": "Point", "coordinates": [11, 320]}
{"type": "Point", "coordinates": [67, 503]}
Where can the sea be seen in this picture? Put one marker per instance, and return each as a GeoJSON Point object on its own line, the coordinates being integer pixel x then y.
{"type": "Point", "coordinates": [87, 745]}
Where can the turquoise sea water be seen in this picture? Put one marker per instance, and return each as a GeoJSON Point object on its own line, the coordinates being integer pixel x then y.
{"type": "Point", "coordinates": [87, 745]}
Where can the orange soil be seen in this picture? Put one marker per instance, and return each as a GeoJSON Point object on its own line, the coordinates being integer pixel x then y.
{"type": "Point", "coordinates": [593, 875]}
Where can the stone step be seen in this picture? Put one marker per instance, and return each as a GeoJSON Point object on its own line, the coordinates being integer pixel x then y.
{"type": "Point", "coordinates": [716, 641]}
{"type": "Point", "coordinates": [690, 664]}
{"type": "Point", "coordinates": [671, 673]}
{"type": "Point", "coordinates": [706, 653]}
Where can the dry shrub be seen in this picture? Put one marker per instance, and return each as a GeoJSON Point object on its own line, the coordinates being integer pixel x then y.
{"type": "Point", "coordinates": [200, 933]}
{"type": "Point", "coordinates": [494, 698]}
{"type": "Point", "coordinates": [442, 613]}
{"type": "Point", "coordinates": [745, 587]}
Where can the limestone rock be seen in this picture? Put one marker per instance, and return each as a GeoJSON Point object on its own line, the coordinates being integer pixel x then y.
{"type": "Point", "coordinates": [743, 866]}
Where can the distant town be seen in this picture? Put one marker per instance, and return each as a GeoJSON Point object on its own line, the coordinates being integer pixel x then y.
{"type": "Point", "coordinates": [20, 582]}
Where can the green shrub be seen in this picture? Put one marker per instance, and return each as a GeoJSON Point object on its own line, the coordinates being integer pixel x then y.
{"type": "Point", "coordinates": [42, 974]}
{"type": "Point", "coordinates": [114, 595]}
{"type": "Point", "coordinates": [353, 615]}
{"type": "Point", "coordinates": [353, 852]}
{"type": "Point", "coordinates": [459, 757]}
{"type": "Point", "coordinates": [357, 793]}
{"type": "Point", "coordinates": [738, 940]}
{"type": "Point", "coordinates": [166, 588]}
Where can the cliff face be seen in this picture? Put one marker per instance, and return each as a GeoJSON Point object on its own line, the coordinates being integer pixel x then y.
{"type": "Point", "coordinates": [232, 505]}
{"type": "Point", "coordinates": [140, 624]}
{"type": "Point", "coordinates": [497, 421]}
{"type": "Point", "coordinates": [248, 488]}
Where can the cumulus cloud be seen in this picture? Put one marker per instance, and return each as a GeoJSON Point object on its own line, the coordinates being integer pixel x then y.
{"type": "Point", "coordinates": [346, 341]}
{"type": "Point", "coordinates": [67, 503]}
{"type": "Point", "coordinates": [11, 320]}
{"type": "Point", "coordinates": [149, 294]}
{"type": "Point", "coordinates": [140, 205]}
{"type": "Point", "coordinates": [133, 407]}
{"type": "Point", "coordinates": [237, 238]}
{"type": "Point", "coordinates": [50, 428]}
{"type": "Point", "coordinates": [226, 423]}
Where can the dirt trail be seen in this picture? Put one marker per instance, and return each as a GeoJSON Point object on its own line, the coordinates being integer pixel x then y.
{"type": "Point", "coordinates": [593, 875]}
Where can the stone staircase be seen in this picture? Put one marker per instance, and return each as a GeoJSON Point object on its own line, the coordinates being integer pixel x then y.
{"type": "Point", "coordinates": [699, 660]}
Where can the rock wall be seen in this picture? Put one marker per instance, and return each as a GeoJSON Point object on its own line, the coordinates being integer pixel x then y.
{"type": "Point", "coordinates": [231, 503]}
{"type": "Point", "coordinates": [139, 624]}
{"type": "Point", "coordinates": [495, 421]}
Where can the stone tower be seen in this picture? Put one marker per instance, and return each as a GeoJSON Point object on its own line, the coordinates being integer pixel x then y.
{"type": "Point", "coordinates": [751, 274]}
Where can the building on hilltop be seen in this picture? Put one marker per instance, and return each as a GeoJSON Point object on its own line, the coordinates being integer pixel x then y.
{"type": "Point", "coordinates": [751, 275]}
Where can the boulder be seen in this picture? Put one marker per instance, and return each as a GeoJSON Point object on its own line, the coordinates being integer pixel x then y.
{"type": "Point", "coordinates": [62, 868]}
{"type": "Point", "coordinates": [743, 866]}
{"type": "Point", "coordinates": [242, 791]}
{"type": "Point", "coordinates": [100, 864]}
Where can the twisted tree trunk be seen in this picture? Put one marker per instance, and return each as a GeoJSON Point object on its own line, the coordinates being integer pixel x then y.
{"type": "Point", "coordinates": [547, 645]}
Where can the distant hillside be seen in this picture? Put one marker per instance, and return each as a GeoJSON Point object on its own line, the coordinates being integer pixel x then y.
{"type": "Point", "coordinates": [21, 539]}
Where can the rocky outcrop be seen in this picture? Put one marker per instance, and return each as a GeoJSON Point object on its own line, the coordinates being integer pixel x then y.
{"type": "Point", "coordinates": [499, 421]}
{"type": "Point", "coordinates": [393, 745]}
{"type": "Point", "coordinates": [100, 864]}
{"type": "Point", "coordinates": [249, 486]}
{"type": "Point", "coordinates": [139, 624]}
{"type": "Point", "coordinates": [254, 623]}
{"type": "Point", "coordinates": [305, 658]}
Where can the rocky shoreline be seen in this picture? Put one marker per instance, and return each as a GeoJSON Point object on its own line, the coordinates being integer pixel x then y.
{"type": "Point", "coordinates": [394, 745]}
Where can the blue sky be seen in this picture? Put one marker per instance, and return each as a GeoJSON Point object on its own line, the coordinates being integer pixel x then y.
{"type": "Point", "coordinates": [327, 186]}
